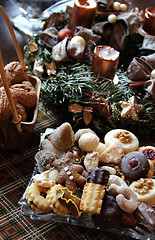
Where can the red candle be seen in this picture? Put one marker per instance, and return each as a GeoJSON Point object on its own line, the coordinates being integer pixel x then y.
{"type": "Point", "coordinates": [149, 21]}
{"type": "Point", "coordinates": [83, 14]}
{"type": "Point", "coordinates": [105, 61]}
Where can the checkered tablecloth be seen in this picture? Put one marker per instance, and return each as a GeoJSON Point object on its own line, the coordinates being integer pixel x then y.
{"type": "Point", "coordinates": [16, 167]}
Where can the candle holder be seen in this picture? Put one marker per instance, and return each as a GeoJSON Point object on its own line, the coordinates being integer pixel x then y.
{"type": "Point", "coordinates": [83, 14]}
{"type": "Point", "coordinates": [105, 61]}
{"type": "Point", "coordinates": [149, 21]}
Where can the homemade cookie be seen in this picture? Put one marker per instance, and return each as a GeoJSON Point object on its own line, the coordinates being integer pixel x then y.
{"type": "Point", "coordinates": [36, 198]}
{"type": "Point", "coordinates": [46, 179]}
{"type": "Point", "coordinates": [69, 173]}
{"type": "Point", "coordinates": [94, 190]}
{"type": "Point", "coordinates": [113, 153]}
{"type": "Point", "coordinates": [144, 188]}
{"type": "Point", "coordinates": [129, 140]}
{"type": "Point", "coordinates": [53, 201]}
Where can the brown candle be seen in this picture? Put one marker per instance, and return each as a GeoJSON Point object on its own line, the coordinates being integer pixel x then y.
{"type": "Point", "coordinates": [149, 21]}
{"type": "Point", "coordinates": [105, 61]}
{"type": "Point", "coordinates": [83, 14]}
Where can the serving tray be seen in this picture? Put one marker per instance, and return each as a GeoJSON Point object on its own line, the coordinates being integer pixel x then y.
{"type": "Point", "coordinates": [138, 232]}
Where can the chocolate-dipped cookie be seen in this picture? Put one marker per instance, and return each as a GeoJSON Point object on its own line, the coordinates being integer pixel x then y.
{"type": "Point", "coordinates": [134, 165]}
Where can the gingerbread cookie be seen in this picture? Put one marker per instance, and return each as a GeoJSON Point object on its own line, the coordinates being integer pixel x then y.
{"type": "Point", "coordinates": [69, 173]}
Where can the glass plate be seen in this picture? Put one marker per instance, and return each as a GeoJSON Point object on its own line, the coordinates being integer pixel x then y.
{"type": "Point", "coordinates": [139, 232]}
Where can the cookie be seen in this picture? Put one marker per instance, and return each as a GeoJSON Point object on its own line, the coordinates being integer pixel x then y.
{"type": "Point", "coordinates": [53, 201]}
{"type": "Point", "coordinates": [144, 188]}
{"type": "Point", "coordinates": [149, 152]}
{"type": "Point", "coordinates": [113, 153]}
{"type": "Point", "coordinates": [91, 160]}
{"type": "Point", "coordinates": [129, 141]}
{"type": "Point", "coordinates": [71, 201]}
{"type": "Point", "coordinates": [36, 197]}
{"type": "Point", "coordinates": [94, 190]}
{"type": "Point", "coordinates": [46, 179]}
{"type": "Point", "coordinates": [44, 159]}
{"type": "Point", "coordinates": [62, 137]}
{"type": "Point", "coordinates": [69, 173]}
{"type": "Point", "coordinates": [135, 165]}
{"type": "Point", "coordinates": [88, 142]}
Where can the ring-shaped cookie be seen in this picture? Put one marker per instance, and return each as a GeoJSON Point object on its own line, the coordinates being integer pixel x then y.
{"type": "Point", "coordinates": [36, 198]}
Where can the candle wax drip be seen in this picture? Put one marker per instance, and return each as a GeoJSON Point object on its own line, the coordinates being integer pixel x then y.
{"type": "Point", "coordinates": [107, 54]}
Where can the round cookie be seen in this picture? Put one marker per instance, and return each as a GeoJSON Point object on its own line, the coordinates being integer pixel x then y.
{"type": "Point", "coordinates": [129, 141]}
{"type": "Point", "coordinates": [88, 142]}
{"type": "Point", "coordinates": [145, 190]}
{"type": "Point", "coordinates": [135, 165]}
{"type": "Point", "coordinates": [79, 133]}
{"type": "Point", "coordinates": [36, 198]}
{"type": "Point", "coordinates": [149, 152]}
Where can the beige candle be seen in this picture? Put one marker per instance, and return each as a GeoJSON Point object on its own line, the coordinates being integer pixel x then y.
{"type": "Point", "coordinates": [149, 21]}
{"type": "Point", "coordinates": [105, 61]}
{"type": "Point", "coordinates": [83, 14]}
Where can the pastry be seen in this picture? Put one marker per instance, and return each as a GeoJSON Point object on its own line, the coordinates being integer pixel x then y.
{"type": "Point", "coordinates": [79, 133]}
{"type": "Point", "coordinates": [149, 152]}
{"type": "Point", "coordinates": [88, 142]}
{"type": "Point", "coordinates": [36, 198]}
{"type": "Point", "coordinates": [53, 201]}
{"type": "Point", "coordinates": [110, 215]}
{"type": "Point", "coordinates": [44, 159]}
{"type": "Point", "coordinates": [63, 137]}
{"type": "Point", "coordinates": [129, 140]}
{"type": "Point", "coordinates": [46, 179]}
{"type": "Point", "coordinates": [144, 188]}
{"type": "Point", "coordinates": [91, 160]}
{"type": "Point", "coordinates": [94, 190]}
{"type": "Point", "coordinates": [135, 165]}
{"type": "Point", "coordinates": [26, 94]}
{"type": "Point", "coordinates": [71, 201]}
{"type": "Point", "coordinates": [69, 173]}
{"type": "Point", "coordinates": [113, 153]}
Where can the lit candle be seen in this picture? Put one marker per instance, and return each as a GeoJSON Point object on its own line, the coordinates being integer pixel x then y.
{"type": "Point", "coordinates": [83, 14]}
{"type": "Point", "coordinates": [105, 61]}
{"type": "Point", "coordinates": [149, 21]}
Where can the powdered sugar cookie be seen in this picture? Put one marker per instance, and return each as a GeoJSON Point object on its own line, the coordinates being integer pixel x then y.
{"type": "Point", "coordinates": [113, 154]}
{"type": "Point", "coordinates": [46, 179]}
{"type": "Point", "coordinates": [91, 160]}
{"type": "Point", "coordinates": [88, 142]}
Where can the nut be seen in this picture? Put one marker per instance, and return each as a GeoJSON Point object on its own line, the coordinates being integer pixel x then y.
{"type": "Point", "coordinates": [124, 137]}
{"type": "Point", "coordinates": [143, 186]}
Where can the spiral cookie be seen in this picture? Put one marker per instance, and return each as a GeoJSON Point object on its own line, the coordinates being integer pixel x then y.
{"type": "Point", "coordinates": [26, 94]}
{"type": "Point", "coordinates": [144, 188]}
{"type": "Point", "coordinates": [135, 165]}
{"type": "Point", "coordinates": [129, 140]}
{"type": "Point", "coordinates": [36, 198]}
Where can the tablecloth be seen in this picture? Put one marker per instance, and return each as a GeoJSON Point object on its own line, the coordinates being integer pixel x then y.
{"type": "Point", "coordinates": [16, 167]}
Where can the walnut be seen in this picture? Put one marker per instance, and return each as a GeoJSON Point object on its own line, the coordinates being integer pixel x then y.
{"type": "Point", "coordinates": [143, 186]}
{"type": "Point", "coordinates": [124, 137]}
{"type": "Point", "coordinates": [14, 73]}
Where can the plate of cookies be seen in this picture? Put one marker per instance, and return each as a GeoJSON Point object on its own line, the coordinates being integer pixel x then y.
{"type": "Point", "coordinates": [80, 180]}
